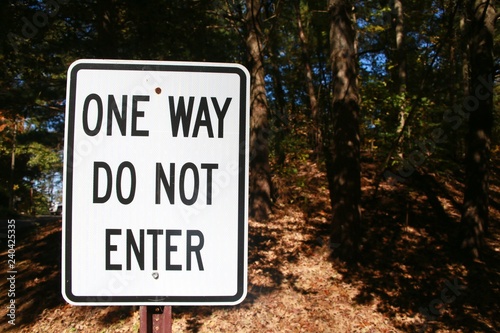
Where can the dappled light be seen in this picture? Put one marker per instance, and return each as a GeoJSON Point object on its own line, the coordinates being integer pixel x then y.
{"type": "Point", "coordinates": [409, 278]}
{"type": "Point", "coordinates": [339, 159]}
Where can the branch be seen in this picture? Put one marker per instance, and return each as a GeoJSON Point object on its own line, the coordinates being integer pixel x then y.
{"type": "Point", "coordinates": [371, 51]}
{"type": "Point", "coordinates": [411, 113]}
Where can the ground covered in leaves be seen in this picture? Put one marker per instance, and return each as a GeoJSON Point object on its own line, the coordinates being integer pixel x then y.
{"type": "Point", "coordinates": [409, 279]}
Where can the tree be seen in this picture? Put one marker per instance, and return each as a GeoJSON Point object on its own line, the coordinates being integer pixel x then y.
{"type": "Point", "coordinates": [260, 175]}
{"type": "Point", "coordinates": [106, 27]}
{"type": "Point", "coordinates": [343, 152]}
{"type": "Point", "coordinates": [32, 92]}
{"type": "Point", "coordinates": [311, 90]}
{"type": "Point", "coordinates": [474, 222]}
{"type": "Point", "coordinates": [400, 61]}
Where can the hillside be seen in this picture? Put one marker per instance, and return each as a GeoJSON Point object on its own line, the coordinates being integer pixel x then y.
{"type": "Point", "coordinates": [409, 278]}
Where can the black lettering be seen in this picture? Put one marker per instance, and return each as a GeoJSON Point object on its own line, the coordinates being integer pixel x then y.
{"type": "Point", "coordinates": [203, 112]}
{"type": "Point", "coordinates": [121, 119]}
{"type": "Point", "coordinates": [171, 248]}
{"type": "Point", "coordinates": [136, 114]}
{"type": "Point", "coordinates": [168, 186]}
{"type": "Point", "coordinates": [154, 234]}
{"type": "Point", "coordinates": [194, 248]}
{"type": "Point", "coordinates": [132, 245]}
{"type": "Point", "coordinates": [107, 195]}
{"type": "Point", "coordinates": [109, 248]}
{"type": "Point", "coordinates": [209, 167]}
{"type": "Point", "coordinates": [176, 116]}
{"type": "Point", "coordinates": [221, 114]}
{"type": "Point", "coordinates": [182, 184]}
{"type": "Point", "coordinates": [133, 181]}
{"type": "Point", "coordinates": [86, 128]}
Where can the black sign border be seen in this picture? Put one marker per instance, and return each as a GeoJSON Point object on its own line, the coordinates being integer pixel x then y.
{"type": "Point", "coordinates": [242, 195]}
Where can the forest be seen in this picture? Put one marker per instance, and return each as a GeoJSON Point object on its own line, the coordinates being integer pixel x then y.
{"type": "Point", "coordinates": [374, 151]}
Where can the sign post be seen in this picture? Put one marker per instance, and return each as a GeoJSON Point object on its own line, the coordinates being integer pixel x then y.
{"type": "Point", "coordinates": [155, 184]}
{"type": "Point", "coordinates": [155, 319]}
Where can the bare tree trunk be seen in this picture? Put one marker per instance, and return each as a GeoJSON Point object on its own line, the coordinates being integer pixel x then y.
{"type": "Point", "coordinates": [400, 51]}
{"type": "Point", "coordinates": [260, 176]}
{"type": "Point", "coordinates": [13, 166]}
{"type": "Point", "coordinates": [462, 86]}
{"type": "Point", "coordinates": [465, 56]}
{"type": "Point", "coordinates": [344, 151]}
{"type": "Point", "coordinates": [400, 60]}
{"type": "Point", "coordinates": [106, 29]}
{"type": "Point", "coordinates": [280, 112]}
{"type": "Point", "coordinates": [475, 219]}
{"type": "Point", "coordinates": [311, 91]}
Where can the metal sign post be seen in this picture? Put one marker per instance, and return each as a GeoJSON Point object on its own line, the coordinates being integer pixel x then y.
{"type": "Point", "coordinates": [155, 319]}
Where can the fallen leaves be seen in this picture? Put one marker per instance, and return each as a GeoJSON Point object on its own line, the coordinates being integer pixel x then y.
{"type": "Point", "coordinates": [292, 284]}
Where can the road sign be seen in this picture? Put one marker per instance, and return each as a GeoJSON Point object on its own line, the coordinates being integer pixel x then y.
{"type": "Point", "coordinates": [155, 183]}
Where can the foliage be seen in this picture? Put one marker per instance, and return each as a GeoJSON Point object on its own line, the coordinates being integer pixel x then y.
{"type": "Point", "coordinates": [42, 38]}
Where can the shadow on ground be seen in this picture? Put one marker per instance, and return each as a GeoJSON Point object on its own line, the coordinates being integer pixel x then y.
{"type": "Point", "coordinates": [38, 278]}
{"type": "Point", "coordinates": [410, 264]}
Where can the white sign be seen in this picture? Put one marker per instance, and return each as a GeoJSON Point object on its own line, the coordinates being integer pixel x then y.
{"type": "Point", "coordinates": [156, 183]}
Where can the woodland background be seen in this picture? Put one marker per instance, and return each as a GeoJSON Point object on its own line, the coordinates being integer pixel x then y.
{"type": "Point", "coordinates": [358, 108]}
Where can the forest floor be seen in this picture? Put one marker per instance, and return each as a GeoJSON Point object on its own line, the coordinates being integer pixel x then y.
{"type": "Point", "coordinates": [409, 278]}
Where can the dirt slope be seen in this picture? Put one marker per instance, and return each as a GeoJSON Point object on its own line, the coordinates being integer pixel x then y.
{"type": "Point", "coordinates": [409, 279]}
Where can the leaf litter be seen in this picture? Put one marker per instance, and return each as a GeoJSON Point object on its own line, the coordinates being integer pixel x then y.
{"type": "Point", "coordinates": [293, 286]}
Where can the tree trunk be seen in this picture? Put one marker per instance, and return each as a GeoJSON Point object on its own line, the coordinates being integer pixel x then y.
{"type": "Point", "coordinates": [106, 29]}
{"type": "Point", "coordinates": [13, 166]}
{"type": "Point", "coordinates": [400, 63]}
{"type": "Point", "coordinates": [280, 115]}
{"type": "Point", "coordinates": [260, 176]}
{"type": "Point", "coordinates": [400, 51]}
{"type": "Point", "coordinates": [474, 223]}
{"type": "Point", "coordinates": [314, 132]}
{"type": "Point", "coordinates": [344, 151]}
